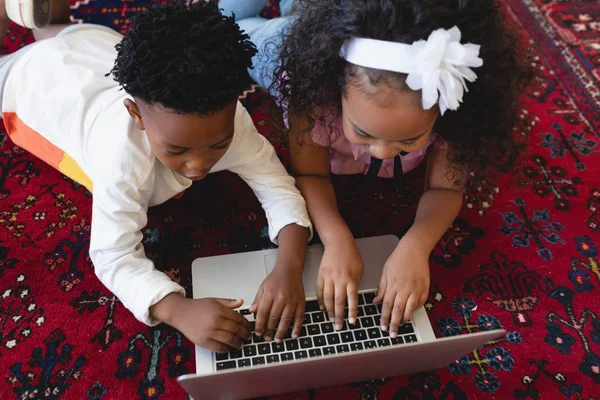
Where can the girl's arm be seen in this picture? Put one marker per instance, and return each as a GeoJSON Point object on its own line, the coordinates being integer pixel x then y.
{"type": "Point", "coordinates": [341, 266]}
{"type": "Point", "coordinates": [440, 203]}
{"type": "Point", "coordinates": [310, 165]}
{"type": "Point", "coordinates": [404, 284]}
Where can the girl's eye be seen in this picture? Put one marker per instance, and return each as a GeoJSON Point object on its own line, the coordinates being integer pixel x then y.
{"type": "Point", "coordinates": [176, 153]}
{"type": "Point", "coordinates": [361, 135]}
{"type": "Point", "coordinates": [411, 143]}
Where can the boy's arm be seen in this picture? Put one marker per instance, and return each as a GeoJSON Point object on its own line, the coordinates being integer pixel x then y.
{"type": "Point", "coordinates": [253, 158]}
{"type": "Point", "coordinates": [118, 216]}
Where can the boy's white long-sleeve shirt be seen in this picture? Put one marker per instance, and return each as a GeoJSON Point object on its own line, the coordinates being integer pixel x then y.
{"type": "Point", "coordinates": [58, 90]}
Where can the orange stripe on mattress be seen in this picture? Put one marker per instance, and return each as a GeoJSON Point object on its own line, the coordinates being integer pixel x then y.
{"type": "Point", "coordinates": [28, 139]}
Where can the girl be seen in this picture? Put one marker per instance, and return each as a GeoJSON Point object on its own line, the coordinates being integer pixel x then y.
{"type": "Point", "coordinates": [371, 87]}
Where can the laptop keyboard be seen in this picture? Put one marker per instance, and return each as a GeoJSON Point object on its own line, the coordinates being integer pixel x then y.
{"type": "Point", "coordinates": [318, 338]}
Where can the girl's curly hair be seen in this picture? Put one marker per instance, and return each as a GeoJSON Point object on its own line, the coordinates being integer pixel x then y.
{"type": "Point", "coordinates": [312, 76]}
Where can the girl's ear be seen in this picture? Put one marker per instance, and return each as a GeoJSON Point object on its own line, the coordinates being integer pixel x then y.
{"type": "Point", "coordinates": [134, 112]}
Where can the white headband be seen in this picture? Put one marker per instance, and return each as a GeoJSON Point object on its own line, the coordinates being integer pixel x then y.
{"type": "Point", "coordinates": [438, 66]}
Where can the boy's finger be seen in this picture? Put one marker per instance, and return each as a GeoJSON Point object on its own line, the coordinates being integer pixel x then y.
{"type": "Point", "coordinates": [328, 299]}
{"type": "Point", "coordinates": [387, 307]}
{"type": "Point", "coordinates": [284, 323]}
{"type": "Point", "coordinates": [262, 314]}
{"type": "Point", "coordinates": [320, 288]}
{"type": "Point", "coordinates": [228, 339]}
{"type": "Point", "coordinates": [241, 331]}
{"type": "Point", "coordinates": [340, 304]}
{"type": "Point", "coordinates": [352, 291]}
{"type": "Point", "coordinates": [231, 303]}
{"type": "Point", "coordinates": [273, 320]}
{"type": "Point", "coordinates": [237, 318]}
{"type": "Point", "coordinates": [215, 346]}
{"type": "Point", "coordinates": [298, 319]}
{"type": "Point", "coordinates": [256, 301]}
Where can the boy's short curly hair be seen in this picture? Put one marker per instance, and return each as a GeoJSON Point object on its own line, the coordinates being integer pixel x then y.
{"type": "Point", "coordinates": [312, 76]}
{"type": "Point", "coordinates": [186, 59]}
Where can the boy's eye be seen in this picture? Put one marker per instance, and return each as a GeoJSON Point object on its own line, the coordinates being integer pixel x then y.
{"type": "Point", "coordinates": [176, 153]}
{"type": "Point", "coordinates": [221, 146]}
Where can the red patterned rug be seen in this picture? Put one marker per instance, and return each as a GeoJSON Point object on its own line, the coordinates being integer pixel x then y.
{"type": "Point", "coordinates": [522, 255]}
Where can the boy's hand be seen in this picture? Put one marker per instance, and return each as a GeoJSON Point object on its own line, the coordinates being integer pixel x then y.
{"type": "Point", "coordinates": [279, 299]}
{"type": "Point", "coordinates": [210, 323]}
{"type": "Point", "coordinates": [339, 274]}
{"type": "Point", "coordinates": [404, 286]}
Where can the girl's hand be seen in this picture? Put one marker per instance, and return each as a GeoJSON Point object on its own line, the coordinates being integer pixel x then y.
{"type": "Point", "coordinates": [404, 286]}
{"type": "Point", "coordinates": [341, 270]}
{"type": "Point", "coordinates": [279, 300]}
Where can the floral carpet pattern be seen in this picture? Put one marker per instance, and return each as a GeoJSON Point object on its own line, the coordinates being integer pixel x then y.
{"type": "Point", "coordinates": [523, 253]}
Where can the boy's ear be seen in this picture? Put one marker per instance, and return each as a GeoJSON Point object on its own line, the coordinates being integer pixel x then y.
{"type": "Point", "coordinates": [134, 111]}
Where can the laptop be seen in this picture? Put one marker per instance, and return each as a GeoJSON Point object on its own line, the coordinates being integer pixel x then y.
{"type": "Point", "coordinates": [321, 356]}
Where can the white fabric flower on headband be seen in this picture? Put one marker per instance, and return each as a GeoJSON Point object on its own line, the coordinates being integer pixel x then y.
{"type": "Point", "coordinates": [439, 66]}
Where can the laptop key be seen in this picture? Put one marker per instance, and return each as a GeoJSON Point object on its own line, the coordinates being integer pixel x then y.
{"type": "Point", "coordinates": [245, 362]}
{"type": "Point", "coordinates": [277, 347]}
{"type": "Point", "coordinates": [410, 338]}
{"type": "Point", "coordinates": [377, 320]}
{"type": "Point", "coordinates": [333, 338]}
{"type": "Point", "coordinates": [342, 348]}
{"type": "Point", "coordinates": [315, 352]}
{"type": "Point", "coordinates": [258, 361]}
{"type": "Point", "coordinates": [361, 299]}
{"type": "Point", "coordinates": [311, 306]}
{"type": "Point", "coordinates": [314, 330]}
{"type": "Point", "coordinates": [287, 357]}
{"type": "Point", "coordinates": [406, 328]}
{"type": "Point", "coordinates": [305, 343]}
{"type": "Point", "coordinates": [347, 337]}
{"type": "Point", "coordinates": [367, 322]}
{"type": "Point", "coordinates": [225, 365]}
{"type": "Point", "coordinates": [383, 342]}
{"type": "Point", "coordinates": [360, 335]}
{"type": "Point", "coordinates": [273, 358]}
{"type": "Point", "coordinates": [302, 332]}
{"type": "Point", "coordinates": [327, 327]}
{"type": "Point", "coordinates": [318, 317]}
{"type": "Point", "coordinates": [374, 333]}
{"type": "Point", "coordinates": [306, 319]}
{"type": "Point", "coordinates": [371, 309]}
{"type": "Point", "coordinates": [319, 340]}
{"type": "Point", "coordinates": [328, 350]}
{"type": "Point", "coordinates": [221, 356]}
{"type": "Point", "coordinates": [356, 325]}
{"type": "Point", "coordinates": [258, 339]}
{"type": "Point", "coordinates": [370, 344]}
{"type": "Point", "coordinates": [292, 344]}
{"type": "Point", "coordinates": [235, 353]}
{"type": "Point", "coordinates": [356, 346]}
{"type": "Point", "coordinates": [397, 340]}
{"type": "Point", "coordinates": [369, 297]}
{"type": "Point", "coordinates": [264, 348]}
{"type": "Point", "coordinates": [379, 307]}
{"type": "Point", "coordinates": [299, 355]}
{"type": "Point", "coordinates": [360, 312]}
{"type": "Point", "coordinates": [249, 351]}
{"type": "Point", "coordinates": [385, 333]}
{"type": "Point", "coordinates": [244, 311]}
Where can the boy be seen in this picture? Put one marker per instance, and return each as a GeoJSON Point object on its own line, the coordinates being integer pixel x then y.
{"type": "Point", "coordinates": [177, 119]}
